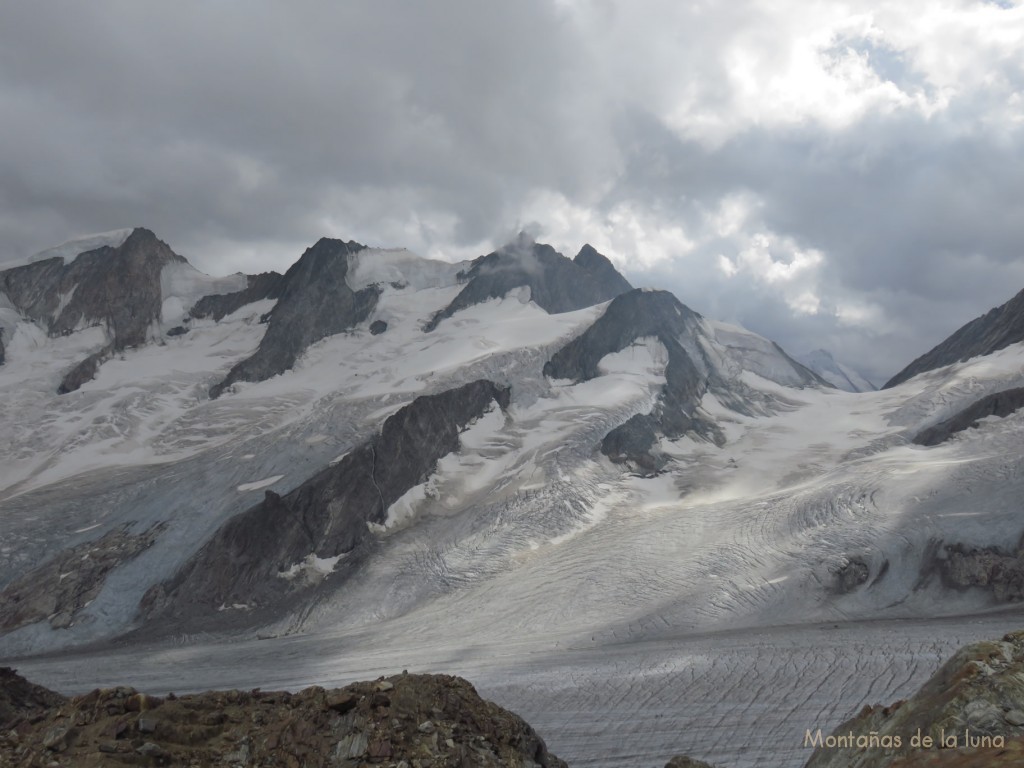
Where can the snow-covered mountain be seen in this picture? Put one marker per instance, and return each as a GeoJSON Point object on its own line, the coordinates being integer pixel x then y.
{"type": "Point", "coordinates": [995, 330]}
{"type": "Point", "coordinates": [838, 375]}
{"type": "Point", "coordinates": [398, 461]}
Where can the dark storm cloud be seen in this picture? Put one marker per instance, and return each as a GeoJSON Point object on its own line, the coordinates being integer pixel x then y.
{"type": "Point", "coordinates": [252, 119]}
{"type": "Point", "coordinates": [925, 222]}
{"type": "Point", "coordinates": [833, 177]}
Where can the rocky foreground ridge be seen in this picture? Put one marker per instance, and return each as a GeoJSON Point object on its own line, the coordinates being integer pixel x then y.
{"type": "Point", "coordinates": [412, 721]}
{"type": "Point", "coordinates": [970, 714]}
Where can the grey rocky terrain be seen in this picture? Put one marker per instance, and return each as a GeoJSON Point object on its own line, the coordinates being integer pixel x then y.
{"type": "Point", "coordinates": [314, 301]}
{"type": "Point", "coordinates": [995, 330]}
{"type": "Point", "coordinates": [403, 721]}
{"type": "Point", "coordinates": [691, 371]}
{"type": "Point", "coordinates": [970, 714]}
{"type": "Point", "coordinates": [256, 560]}
{"type": "Point", "coordinates": [266, 285]}
{"type": "Point", "coordinates": [59, 588]}
{"type": "Point", "coordinates": [116, 287]}
{"type": "Point", "coordinates": [999, 404]}
{"type": "Point", "coordinates": [556, 283]}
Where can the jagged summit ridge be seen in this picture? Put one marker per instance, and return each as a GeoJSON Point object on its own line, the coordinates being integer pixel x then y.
{"type": "Point", "coordinates": [314, 301]}
{"type": "Point", "coordinates": [557, 284]}
{"type": "Point", "coordinates": [995, 330]}
{"type": "Point", "coordinates": [118, 287]}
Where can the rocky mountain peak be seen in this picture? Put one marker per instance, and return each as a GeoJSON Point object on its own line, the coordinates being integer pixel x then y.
{"type": "Point", "coordinates": [557, 284]}
{"type": "Point", "coordinates": [314, 301]}
{"type": "Point", "coordinates": [601, 267]}
{"type": "Point", "coordinates": [117, 287]}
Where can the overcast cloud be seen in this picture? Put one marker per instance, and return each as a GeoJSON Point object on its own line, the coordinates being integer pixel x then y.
{"type": "Point", "coordinates": [837, 175]}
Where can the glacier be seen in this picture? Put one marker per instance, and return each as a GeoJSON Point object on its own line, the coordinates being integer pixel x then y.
{"type": "Point", "coordinates": [751, 589]}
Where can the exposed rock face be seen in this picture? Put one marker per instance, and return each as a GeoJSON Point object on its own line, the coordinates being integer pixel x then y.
{"type": "Point", "coordinates": [3, 352]}
{"type": "Point", "coordinates": [556, 284]}
{"type": "Point", "coordinates": [21, 701]}
{"type": "Point", "coordinates": [989, 567]}
{"type": "Point", "coordinates": [60, 588]}
{"type": "Point", "coordinates": [117, 287]}
{"type": "Point", "coordinates": [266, 285]}
{"type": "Point", "coordinates": [378, 327]}
{"type": "Point", "coordinates": [702, 357]}
{"type": "Point", "coordinates": [852, 574]}
{"type": "Point", "coordinates": [408, 720]}
{"type": "Point", "coordinates": [607, 276]}
{"type": "Point", "coordinates": [314, 302]}
{"type": "Point", "coordinates": [976, 697]}
{"type": "Point", "coordinates": [247, 560]}
{"type": "Point", "coordinates": [997, 404]}
{"type": "Point", "coordinates": [84, 371]}
{"type": "Point", "coordinates": [632, 316]}
{"type": "Point", "coordinates": [998, 328]}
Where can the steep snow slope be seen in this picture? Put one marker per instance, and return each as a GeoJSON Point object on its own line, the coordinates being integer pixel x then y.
{"type": "Point", "coordinates": [835, 373]}
{"type": "Point", "coordinates": [995, 330]}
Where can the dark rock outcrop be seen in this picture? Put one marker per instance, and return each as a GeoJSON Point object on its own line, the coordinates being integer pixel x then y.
{"type": "Point", "coordinates": [246, 560]}
{"type": "Point", "coordinates": [266, 285]}
{"type": "Point", "coordinates": [990, 568]}
{"type": "Point", "coordinates": [378, 327]}
{"type": "Point", "coordinates": [409, 720]}
{"type": "Point", "coordinates": [3, 351]}
{"type": "Point", "coordinates": [850, 575]}
{"type": "Point", "coordinates": [1000, 404]}
{"type": "Point", "coordinates": [116, 287]}
{"type": "Point", "coordinates": [84, 371]}
{"type": "Point", "coordinates": [60, 588]}
{"type": "Point", "coordinates": [996, 329]}
{"type": "Point", "coordinates": [629, 317]}
{"type": "Point", "coordinates": [22, 701]}
{"type": "Point", "coordinates": [976, 698]}
{"type": "Point", "coordinates": [314, 301]}
{"type": "Point", "coordinates": [556, 284]}
{"type": "Point", "coordinates": [600, 266]}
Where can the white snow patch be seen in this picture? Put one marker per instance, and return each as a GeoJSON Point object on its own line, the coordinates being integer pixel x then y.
{"type": "Point", "coordinates": [257, 484]}
{"type": "Point", "coordinates": [312, 567]}
{"type": "Point", "coordinates": [646, 357]}
{"type": "Point", "coordinates": [399, 266]}
{"type": "Point", "coordinates": [71, 249]}
{"type": "Point", "coordinates": [182, 285]}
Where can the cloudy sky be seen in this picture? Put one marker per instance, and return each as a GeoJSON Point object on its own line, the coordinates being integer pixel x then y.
{"type": "Point", "coordinates": [847, 175]}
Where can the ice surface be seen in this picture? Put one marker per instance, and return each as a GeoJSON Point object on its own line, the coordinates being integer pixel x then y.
{"type": "Point", "coordinates": [397, 265]}
{"type": "Point", "coordinates": [628, 618]}
{"type": "Point", "coordinates": [739, 699]}
{"type": "Point", "coordinates": [182, 285]}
